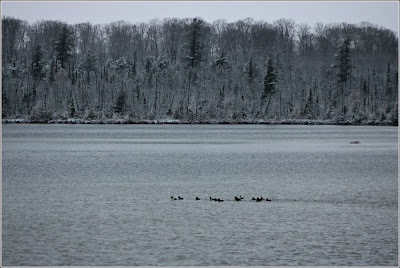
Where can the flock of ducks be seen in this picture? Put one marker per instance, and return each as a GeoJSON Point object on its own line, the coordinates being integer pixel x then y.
{"type": "Point", "coordinates": [240, 198]}
{"type": "Point", "coordinates": [180, 198]}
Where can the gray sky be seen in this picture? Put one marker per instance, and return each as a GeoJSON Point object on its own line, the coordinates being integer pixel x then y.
{"type": "Point", "coordinates": [383, 13]}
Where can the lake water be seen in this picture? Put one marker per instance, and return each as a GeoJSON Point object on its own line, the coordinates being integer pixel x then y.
{"type": "Point", "coordinates": [100, 195]}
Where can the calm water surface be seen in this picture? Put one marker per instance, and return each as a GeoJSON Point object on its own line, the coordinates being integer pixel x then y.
{"type": "Point", "coordinates": [100, 195]}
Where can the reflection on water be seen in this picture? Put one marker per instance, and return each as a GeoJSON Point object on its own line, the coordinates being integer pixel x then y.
{"type": "Point", "coordinates": [100, 195]}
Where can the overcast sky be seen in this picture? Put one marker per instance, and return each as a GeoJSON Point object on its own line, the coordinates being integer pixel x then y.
{"type": "Point", "coordinates": [383, 13]}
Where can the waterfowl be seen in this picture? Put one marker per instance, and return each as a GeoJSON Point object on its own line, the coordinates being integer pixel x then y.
{"type": "Point", "coordinates": [253, 198]}
{"type": "Point", "coordinates": [197, 198]}
{"type": "Point", "coordinates": [237, 199]}
{"type": "Point", "coordinates": [219, 200]}
{"type": "Point", "coordinates": [258, 199]}
{"type": "Point", "coordinates": [240, 197]}
{"type": "Point", "coordinates": [180, 198]}
{"type": "Point", "coordinates": [172, 197]}
{"type": "Point", "coordinates": [266, 199]}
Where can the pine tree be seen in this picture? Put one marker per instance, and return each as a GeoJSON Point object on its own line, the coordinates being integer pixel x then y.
{"type": "Point", "coordinates": [270, 81]}
{"type": "Point", "coordinates": [343, 61]}
{"type": "Point", "coordinates": [119, 107]}
{"type": "Point", "coordinates": [309, 107]}
{"type": "Point", "coordinates": [72, 108]}
{"type": "Point", "coordinates": [388, 83]}
{"type": "Point", "coordinates": [344, 68]}
{"type": "Point", "coordinates": [194, 45]}
{"type": "Point", "coordinates": [64, 45]}
{"type": "Point", "coordinates": [37, 64]}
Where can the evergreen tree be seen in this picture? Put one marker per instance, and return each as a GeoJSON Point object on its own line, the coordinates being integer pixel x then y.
{"type": "Point", "coordinates": [64, 45]}
{"type": "Point", "coordinates": [388, 83]}
{"type": "Point", "coordinates": [37, 64]}
{"type": "Point", "coordinates": [344, 68]}
{"type": "Point", "coordinates": [119, 107]}
{"type": "Point", "coordinates": [194, 45]}
{"type": "Point", "coordinates": [72, 109]}
{"type": "Point", "coordinates": [309, 107]}
{"type": "Point", "coordinates": [270, 81]}
{"type": "Point", "coordinates": [343, 61]}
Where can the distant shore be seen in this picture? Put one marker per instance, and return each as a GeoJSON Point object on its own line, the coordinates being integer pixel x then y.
{"type": "Point", "coordinates": [213, 122]}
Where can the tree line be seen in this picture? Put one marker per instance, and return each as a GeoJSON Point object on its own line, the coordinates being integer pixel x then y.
{"type": "Point", "coordinates": [192, 70]}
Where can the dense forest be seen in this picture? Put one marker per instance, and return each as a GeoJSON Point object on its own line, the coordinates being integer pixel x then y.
{"type": "Point", "coordinates": [195, 71]}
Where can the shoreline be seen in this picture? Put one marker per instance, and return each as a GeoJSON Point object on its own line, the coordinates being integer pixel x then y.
{"type": "Point", "coordinates": [205, 122]}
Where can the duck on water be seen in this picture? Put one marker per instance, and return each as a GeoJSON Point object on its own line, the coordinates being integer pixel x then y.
{"type": "Point", "coordinates": [216, 199]}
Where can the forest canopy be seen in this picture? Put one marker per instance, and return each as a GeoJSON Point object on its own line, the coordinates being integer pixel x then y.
{"type": "Point", "coordinates": [190, 69]}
